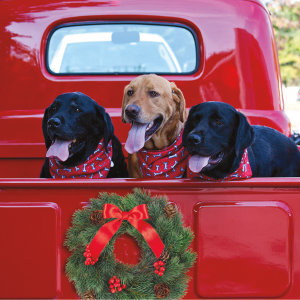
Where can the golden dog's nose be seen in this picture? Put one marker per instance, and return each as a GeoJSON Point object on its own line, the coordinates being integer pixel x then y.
{"type": "Point", "coordinates": [132, 111]}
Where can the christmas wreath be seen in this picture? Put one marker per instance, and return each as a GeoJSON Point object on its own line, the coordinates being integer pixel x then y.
{"type": "Point", "coordinates": [158, 229]}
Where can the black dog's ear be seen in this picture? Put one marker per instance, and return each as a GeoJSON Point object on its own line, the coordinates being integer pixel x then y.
{"type": "Point", "coordinates": [108, 131]}
{"type": "Point", "coordinates": [245, 134]}
{"type": "Point", "coordinates": [108, 125]}
{"type": "Point", "coordinates": [188, 127]}
{"type": "Point", "coordinates": [44, 127]}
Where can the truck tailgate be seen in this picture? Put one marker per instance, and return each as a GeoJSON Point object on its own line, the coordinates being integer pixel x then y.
{"type": "Point", "coordinates": [244, 234]}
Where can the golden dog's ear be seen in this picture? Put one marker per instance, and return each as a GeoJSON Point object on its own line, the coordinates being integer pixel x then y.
{"type": "Point", "coordinates": [124, 105]}
{"type": "Point", "coordinates": [180, 102]}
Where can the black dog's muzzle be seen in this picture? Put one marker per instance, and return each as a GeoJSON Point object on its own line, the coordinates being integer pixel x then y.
{"type": "Point", "coordinates": [53, 123]}
{"type": "Point", "coordinates": [194, 139]}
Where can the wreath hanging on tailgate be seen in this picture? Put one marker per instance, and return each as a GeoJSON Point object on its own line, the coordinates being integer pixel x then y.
{"type": "Point", "coordinates": [158, 229]}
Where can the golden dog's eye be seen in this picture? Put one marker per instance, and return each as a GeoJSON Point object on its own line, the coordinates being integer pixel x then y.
{"type": "Point", "coordinates": [153, 94]}
{"type": "Point", "coordinates": [218, 122]}
{"type": "Point", "coordinates": [129, 93]}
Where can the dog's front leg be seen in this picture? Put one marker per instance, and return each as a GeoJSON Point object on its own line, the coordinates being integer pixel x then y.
{"type": "Point", "coordinates": [133, 166]}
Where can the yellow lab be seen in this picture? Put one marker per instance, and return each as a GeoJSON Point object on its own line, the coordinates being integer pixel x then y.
{"type": "Point", "coordinates": [156, 109]}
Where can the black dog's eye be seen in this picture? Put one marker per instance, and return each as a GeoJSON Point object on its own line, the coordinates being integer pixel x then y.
{"type": "Point", "coordinates": [218, 122]}
{"type": "Point", "coordinates": [53, 108]}
{"type": "Point", "coordinates": [77, 110]}
{"type": "Point", "coordinates": [130, 93]}
{"type": "Point", "coordinates": [153, 94]}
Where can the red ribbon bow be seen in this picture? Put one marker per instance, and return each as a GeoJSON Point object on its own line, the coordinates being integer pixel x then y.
{"type": "Point", "coordinates": [135, 217]}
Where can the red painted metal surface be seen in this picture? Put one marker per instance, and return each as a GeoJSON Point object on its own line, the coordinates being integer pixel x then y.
{"type": "Point", "coordinates": [246, 234]}
{"type": "Point", "coordinates": [127, 250]}
{"type": "Point", "coordinates": [245, 248]}
{"type": "Point", "coordinates": [237, 56]}
{"type": "Point", "coordinates": [31, 246]}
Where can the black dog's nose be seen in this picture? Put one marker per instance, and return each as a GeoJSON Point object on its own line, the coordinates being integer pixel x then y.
{"type": "Point", "coordinates": [54, 123]}
{"type": "Point", "coordinates": [132, 111]}
{"type": "Point", "coordinates": [194, 139]}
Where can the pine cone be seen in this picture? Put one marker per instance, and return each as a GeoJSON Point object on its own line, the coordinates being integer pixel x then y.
{"type": "Point", "coordinates": [89, 295]}
{"type": "Point", "coordinates": [170, 210]}
{"type": "Point", "coordinates": [161, 290]}
{"type": "Point", "coordinates": [164, 255]}
{"type": "Point", "coordinates": [96, 217]}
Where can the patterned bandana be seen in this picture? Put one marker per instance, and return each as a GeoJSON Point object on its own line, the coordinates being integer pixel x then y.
{"type": "Point", "coordinates": [243, 171]}
{"type": "Point", "coordinates": [97, 165]}
{"type": "Point", "coordinates": [170, 162]}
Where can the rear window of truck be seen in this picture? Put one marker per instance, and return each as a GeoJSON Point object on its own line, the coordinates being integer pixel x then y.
{"type": "Point", "coordinates": [121, 49]}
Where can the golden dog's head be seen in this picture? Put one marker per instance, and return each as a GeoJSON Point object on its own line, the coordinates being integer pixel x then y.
{"type": "Point", "coordinates": [156, 109]}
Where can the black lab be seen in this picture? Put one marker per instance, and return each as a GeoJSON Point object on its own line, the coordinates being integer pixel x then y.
{"type": "Point", "coordinates": [216, 136]}
{"type": "Point", "coordinates": [79, 137]}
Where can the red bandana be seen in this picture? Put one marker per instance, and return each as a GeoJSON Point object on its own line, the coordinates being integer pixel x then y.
{"type": "Point", "coordinates": [170, 162]}
{"type": "Point", "coordinates": [97, 165]}
{"type": "Point", "coordinates": [243, 171]}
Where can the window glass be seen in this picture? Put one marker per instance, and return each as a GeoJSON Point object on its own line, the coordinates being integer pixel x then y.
{"type": "Point", "coordinates": [121, 48]}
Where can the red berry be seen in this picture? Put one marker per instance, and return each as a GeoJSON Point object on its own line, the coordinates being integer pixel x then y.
{"type": "Point", "coordinates": [123, 286]}
{"type": "Point", "coordinates": [115, 284]}
{"type": "Point", "coordinates": [157, 267]}
{"type": "Point", "coordinates": [156, 264]}
{"type": "Point", "coordinates": [93, 262]}
{"type": "Point", "coordinates": [162, 269]}
{"type": "Point", "coordinates": [161, 273]}
{"type": "Point", "coordinates": [87, 245]}
{"type": "Point", "coordinates": [119, 289]}
{"type": "Point", "coordinates": [161, 263]}
{"type": "Point", "coordinates": [112, 291]}
{"type": "Point", "coordinates": [87, 262]}
{"type": "Point", "coordinates": [89, 259]}
{"type": "Point", "coordinates": [89, 255]}
{"type": "Point", "coordinates": [118, 280]}
{"type": "Point", "coordinates": [111, 286]}
{"type": "Point", "coordinates": [111, 280]}
{"type": "Point", "coordinates": [156, 271]}
{"type": "Point", "coordinates": [114, 277]}
{"type": "Point", "coordinates": [85, 254]}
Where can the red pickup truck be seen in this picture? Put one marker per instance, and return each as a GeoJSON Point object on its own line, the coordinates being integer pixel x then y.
{"type": "Point", "coordinates": [246, 232]}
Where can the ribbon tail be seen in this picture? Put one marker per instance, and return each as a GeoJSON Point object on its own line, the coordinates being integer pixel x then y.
{"type": "Point", "coordinates": [102, 237]}
{"type": "Point", "coordinates": [150, 235]}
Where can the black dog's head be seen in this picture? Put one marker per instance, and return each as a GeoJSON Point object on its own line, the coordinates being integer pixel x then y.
{"type": "Point", "coordinates": [73, 126]}
{"type": "Point", "coordinates": [214, 132]}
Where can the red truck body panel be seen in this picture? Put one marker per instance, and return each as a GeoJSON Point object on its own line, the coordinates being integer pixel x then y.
{"type": "Point", "coordinates": [246, 232]}
{"type": "Point", "coordinates": [237, 64]}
